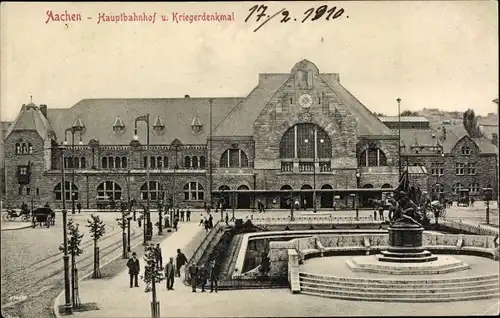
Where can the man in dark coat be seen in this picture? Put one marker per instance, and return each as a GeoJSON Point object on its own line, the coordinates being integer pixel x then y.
{"type": "Point", "coordinates": [213, 276]}
{"type": "Point", "coordinates": [202, 277]}
{"type": "Point", "coordinates": [79, 207]}
{"type": "Point", "coordinates": [159, 259]}
{"type": "Point", "coordinates": [176, 223]}
{"type": "Point", "coordinates": [210, 222]}
{"type": "Point", "coordinates": [133, 270]}
{"type": "Point", "coordinates": [188, 215]}
{"type": "Point", "coordinates": [182, 215]}
{"type": "Point", "coordinates": [193, 274]}
{"type": "Point", "coordinates": [180, 261]}
{"type": "Point", "coordinates": [169, 273]}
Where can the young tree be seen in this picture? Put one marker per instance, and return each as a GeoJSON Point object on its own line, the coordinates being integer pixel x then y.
{"type": "Point", "coordinates": [74, 241]}
{"type": "Point", "coordinates": [122, 223]}
{"type": "Point", "coordinates": [152, 275]}
{"type": "Point", "coordinates": [409, 113]}
{"type": "Point", "coordinates": [471, 124]}
{"type": "Point", "coordinates": [97, 230]}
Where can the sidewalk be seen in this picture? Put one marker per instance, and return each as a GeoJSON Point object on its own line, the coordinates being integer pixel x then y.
{"type": "Point", "coordinates": [10, 226]}
{"type": "Point", "coordinates": [115, 298]}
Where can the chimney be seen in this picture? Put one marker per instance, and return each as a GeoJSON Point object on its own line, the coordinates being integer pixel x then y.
{"type": "Point", "coordinates": [444, 133]}
{"type": "Point", "coordinates": [43, 109]}
{"type": "Point", "coordinates": [187, 96]}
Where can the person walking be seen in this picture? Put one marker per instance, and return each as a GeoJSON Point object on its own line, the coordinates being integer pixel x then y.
{"type": "Point", "coordinates": [133, 270]}
{"type": "Point", "coordinates": [182, 215]}
{"type": "Point", "coordinates": [202, 220]}
{"type": "Point", "coordinates": [170, 273]}
{"type": "Point", "coordinates": [176, 222]}
{"type": "Point", "coordinates": [207, 225]}
{"type": "Point", "coordinates": [180, 261]}
{"type": "Point", "coordinates": [210, 222]}
{"type": "Point", "coordinates": [381, 211]}
{"type": "Point", "coordinates": [202, 277]}
{"type": "Point", "coordinates": [193, 275]}
{"type": "Point", "coordinates": [227, 219]}
{"type": "Point", "coordinates": [159, 259]}
{"type": "Point", "coordinates": [79, 207]}
{"type": "Point", "coordinates": [188, 215]}
{"type": "Point", "coordinates": [213, 276]}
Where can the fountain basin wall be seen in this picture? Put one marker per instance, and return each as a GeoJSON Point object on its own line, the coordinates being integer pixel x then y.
{"type": "Point", "coordinates": [319, 245]}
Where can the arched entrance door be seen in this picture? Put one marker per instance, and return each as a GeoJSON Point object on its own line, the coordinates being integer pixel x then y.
{"type": "Point", "coordinates": [306, 197]}
{"type": "Point", "coordinates": [327, 196]}
{"type": "Point", "coordinates": [284, 204]}
{"type": "Point", "coordinates": [243, 198]}
{"type": "Point", "coordinates": [366, 196]}
{"type": "Point", "coordinates": [223, 197]}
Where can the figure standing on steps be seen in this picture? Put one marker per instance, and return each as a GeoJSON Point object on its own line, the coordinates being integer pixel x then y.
{"type": "Point", "coordinates": [193, 275]}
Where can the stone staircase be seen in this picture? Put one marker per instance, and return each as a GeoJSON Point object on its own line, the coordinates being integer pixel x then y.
{"type": "Point", "coordinates": [230, 261]}
{"type": "Point", "coordinates": [431, 290]}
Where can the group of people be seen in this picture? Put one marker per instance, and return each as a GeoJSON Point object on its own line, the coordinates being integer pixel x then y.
{"type": "Point", "coordinates": [207, 221]}
{"type": "Point", "coordinates": [200, 275]}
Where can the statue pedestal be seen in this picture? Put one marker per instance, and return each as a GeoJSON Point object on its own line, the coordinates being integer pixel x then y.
{"type": "Point", "coordinates": [405, 245]}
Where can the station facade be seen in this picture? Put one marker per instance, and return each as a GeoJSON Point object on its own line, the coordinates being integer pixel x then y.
{"type": "Point", "coordinates": [299, 135]}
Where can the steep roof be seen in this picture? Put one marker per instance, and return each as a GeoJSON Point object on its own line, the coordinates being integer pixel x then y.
{"type": "Point", "coordinates": [409, 119]}
{"type": "Point", "coordinates": [30, 118]}
{"type": "Point", "coordinates": [368, 123]}
{"type": "Point", "coordinates": [239, 122]}
{"type": "Point", "coordinates": [99, 115]}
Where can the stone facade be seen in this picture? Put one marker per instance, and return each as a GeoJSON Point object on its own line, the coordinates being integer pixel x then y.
{"type": "Point", "coordinates": [304, 97]}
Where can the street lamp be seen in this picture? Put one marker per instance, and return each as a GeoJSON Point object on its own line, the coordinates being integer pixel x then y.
{"type": "Point", "coordinates": [147, 223]}
{"type": "Point", "coordinates": [176, 143]}
{"type": "Point", "coordinates": [399, 137]}
{"type": "Point", "coordinates": [77, 127]}
{"type": "Point", "coordinates": [314, 167]}
{"type": "Point", "coordinates": [67, 292]}
{"type": "Point", "coordinates": [438, 173]}
{"type": "Point", "coordinates": [129, 218]}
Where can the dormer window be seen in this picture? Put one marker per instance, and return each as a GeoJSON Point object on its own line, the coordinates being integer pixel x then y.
{"type": "Point", "coordinates": [159, 126]}
{"type": "Point", "coordinates": [24, 148]}
{"type": "Point", "coordinates": [118, 126]}
{"type": "Point", "coordinates": [196, 125]}
{"type": "Point", "coordinates": [465, 150]}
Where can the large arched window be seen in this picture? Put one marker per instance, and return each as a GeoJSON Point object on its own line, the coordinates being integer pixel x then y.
{"type": "Point", "coordinates": [372, 157]}
{"type": "Point", "coordinates": [187, 162]}
{"type": "Point", "coordinates": [474, 188]}
{"type": "Point", "coordinates": [202, 162]}
{"type": "Point", "coordinates": [58, 191]}
{"type": "Point", "coordinates": [124, 162]}
{"type": "Point", "coordinates": [304, 141]}
{"type": "Point", "coordinates": [193, 191]}
{"type": "Point", "coordinates": [234, 158]}
{"type": "Point", "coordinates": [109, 190]}
{"type": "Point", "coordinates": [104, 162]}
{"type": "Point", "coordinates": [194, 162]}
{"type": "Point", "coordinates": [457, 186]}
{"type": "Point", "coordinates": [154, 191]}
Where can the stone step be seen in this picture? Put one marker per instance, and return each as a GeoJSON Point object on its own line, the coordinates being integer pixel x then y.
{"type": "Point", "coordinates": [417, 259]}
{"type": "Point", "coordinates": [412, 296]}
{"type": "Point", "coordinates": [402, 267]}
{"type": "Point", "coordinates": [399, 254]}
{"type": "Point", "coordinates": [401, 284]}
{"type": "Point", "coordinates": [404, 299]}
{"type": "Point", "coordinates": [398, 289]}
{"type": "Point", "coordinates": [395, 271]}
{"type": "Point", "coordinates": [400, 281]}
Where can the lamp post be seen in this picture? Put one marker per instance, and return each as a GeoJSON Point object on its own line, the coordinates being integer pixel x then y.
{"type": "Point", "coordinates": [147, 223]}
{"type": "Point", "coordinates": [399, 137]}
{"type": "Point", "coordinates": [77, 127]}
{"type": "Point", "coordinates": [438, 173]}
{"type": "Point", "coordinates": [176, 143]}
{"type": "Point", "coordinates": [67, 292]}
{"type": "Point", "coordinates": [315, 156]}
{"type": "Point", "coordinates": [129, 218]}
{"type": "Point", "coordinates": [358, 175]}
{"type": "Point", "coordinates": [210, 181]}
{"type": "Point", "coordinates": [160, 211]}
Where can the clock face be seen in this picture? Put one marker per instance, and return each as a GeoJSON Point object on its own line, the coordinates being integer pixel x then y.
{"type": "Point", "coordinates": [305, 101]}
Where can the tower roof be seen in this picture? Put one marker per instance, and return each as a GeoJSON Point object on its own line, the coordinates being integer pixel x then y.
{"type": "Point", "coordinates": [30, 118]}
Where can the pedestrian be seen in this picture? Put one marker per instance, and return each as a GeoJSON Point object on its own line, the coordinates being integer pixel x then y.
{"type": "Point", "coordinates": [227, 219]}
{"type": "Point", "coordinates": [79, 207]}
{"type": "Point", "coordinates": [202, 219]}
{"type": "Point", "coordinates": [205, 206]}
{"type": "Point", "coordinates": [207, 225]}
{"type": "Point", "coordinates": [176, 222]}
{"type": "Point", "coordinates": [375, 214]}
{"type": "Point", "coordinates": [188, 215]}
{"type": "Point", "coordinates": [381, 212]}
{"type": "Point", "coordinates": [170, 273]}
{"type": "Point", "coordinates": [210, 222]}
{"type": "Point", "coordinates": [133, 270]}
{"type": "Point", "coordinates": [193, 275]}
{"type": "Point", "coordinates": [472, 201]}
{"type": "Point", "coordinates": [159, 259]}
{"type": "Point", "coordinates": [180, 261]}
{"type": "Point", "coordinates": [214, 277]}
{"type": "Point", "coordinates": [182, 215]}
{"type": "Point", "coordinates": [305, 204]}
{"type": "Point", "coordinates": [202, 277]}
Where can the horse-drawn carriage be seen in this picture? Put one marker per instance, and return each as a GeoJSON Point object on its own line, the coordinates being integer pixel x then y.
{"type": "Point", "coordinates": [12, 215]}
{"type": "Point", "coordinates": [44, 216]}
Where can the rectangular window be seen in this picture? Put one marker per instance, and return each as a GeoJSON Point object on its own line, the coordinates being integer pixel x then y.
{"type": "Point", "coordinates": [437, 169]}
{"type": "Point", "coordinates": [459, 169]}
{"type": "Point", "coordinates": [23, 171]}
{"type": "Point", "coordinates": [28, 191]}
{"type": "Point", "coordinates": [471, 169]}
{"type": "Point", "coordinates": [20, 191]}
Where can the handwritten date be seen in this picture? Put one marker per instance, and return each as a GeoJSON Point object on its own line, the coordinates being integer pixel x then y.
{"type": "Point", "coordinates": [311, 14]}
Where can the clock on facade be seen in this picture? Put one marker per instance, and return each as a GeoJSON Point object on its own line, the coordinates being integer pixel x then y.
{"type": "Point", "coordinates": [305, 100]}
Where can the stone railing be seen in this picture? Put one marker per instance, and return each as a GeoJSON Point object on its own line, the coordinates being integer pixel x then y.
{"type": "Point", "coordinates": [338, 244]}
{"type": "Point", "coordinates": [207, 241]}
{"type": "Point", "coordinates": [293, 270]}
{"type": "Point", "coordinates": [314, 220]}
{"type": "Point", "coordinates": [470, 228]}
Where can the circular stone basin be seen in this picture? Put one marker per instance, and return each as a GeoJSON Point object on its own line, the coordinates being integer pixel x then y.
{"type": "Point", "coordinates": [371, 264]}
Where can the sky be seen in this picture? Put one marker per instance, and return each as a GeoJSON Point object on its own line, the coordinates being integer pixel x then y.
{"type": "Point", "coordinates": [430, 54]}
